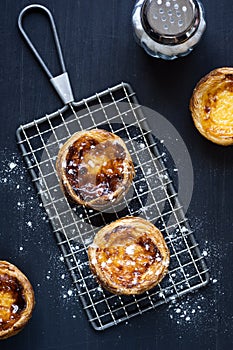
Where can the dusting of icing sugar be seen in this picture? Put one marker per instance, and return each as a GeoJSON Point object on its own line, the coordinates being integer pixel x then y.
{"type": "Point", "coordinates": [12, 165]}
{"type": "Point", "coordinates": [186, 310]}
{"type": "Point", "coordinates": [192, 309]}
{"type": "Point", "coordinates": [29, 223]}
{"type": "Point", "coordinates": [94, 261]}
{"type": "Point", "coordinates": [130, 249]}
{"type": "Point", "coordinates": [183, 229]}
{"type": "Point", "coordinates": [99, 288]}
{"type": "Point", "coordinates": [14, 179]}
{"type": "Point", "coordinates": [91, 163]}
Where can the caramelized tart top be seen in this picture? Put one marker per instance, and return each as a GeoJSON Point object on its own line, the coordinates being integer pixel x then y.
{"type": "Point", "coordinates": [16, 300]}
{"type": "Point", "coordinates": [95, 167]}
{"type": "Point", "coordinates": [12, 301]}
{"type": "Point", "coordinates": [129, 256]}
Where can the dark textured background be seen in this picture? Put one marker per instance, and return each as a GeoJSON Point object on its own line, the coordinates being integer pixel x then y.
{"type": "Point", "coordinates": [99, 50]}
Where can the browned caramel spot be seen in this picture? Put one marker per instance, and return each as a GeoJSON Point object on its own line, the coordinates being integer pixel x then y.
{"type": "Point", "coordinates": [126, 264]}
{"type": "Point", "coordinates": [94, 168]}
{"type": "Point", "coordinates": [229, 76]}
{"type": "Point", "coordinates": [12, 301]}
{"type": "Point", "coordinates": [207, 109]}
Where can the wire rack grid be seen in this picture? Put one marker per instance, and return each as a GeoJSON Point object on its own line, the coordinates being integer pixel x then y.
{"type": "Point", "coordinates": [151, 196]}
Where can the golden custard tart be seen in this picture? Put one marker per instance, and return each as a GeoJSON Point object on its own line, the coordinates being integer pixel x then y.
{"type": "Point", "coordinates": [16, 300]}
{"type": "Point", "coordinates": [212, 106]}
{"type": "Point", "coordinates": [95, 168]}
{"type": "Point", "coordinates": [129, 256]}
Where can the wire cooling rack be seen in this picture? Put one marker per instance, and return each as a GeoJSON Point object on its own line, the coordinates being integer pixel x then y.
{"type": "Point", "coordinates": [152, 196]}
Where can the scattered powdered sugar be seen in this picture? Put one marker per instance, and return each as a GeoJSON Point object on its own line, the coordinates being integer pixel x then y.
{"type": "Point", "coordinates": [9, 169]}
{"type": "Point", "coordinates": [205, 253]}
{"type": "Point", "coordinates": [15, 180]}
{"type": "Point", "coordinates": [13, 177]}
{"type": "Point", "coordinates": [183, 229]}
{"type": "Point", "coordinates": [67, 292]}
{"type": "Point", "coordinates": [94, 261]}
{"type": "Point", "coordinates": [99, 289]}
{"type": "Point", "coordinates": [187, 309]}
{"type": "Point", "coordinates": [130, 249]}
{"type": "Point", "coordinates": [29, 223]}
{"type": "Point", "coordinates": [70, 292]}
{"type": "Point", "coordinates": [12, 165]}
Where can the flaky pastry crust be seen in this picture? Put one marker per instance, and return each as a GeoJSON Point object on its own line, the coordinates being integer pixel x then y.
{"type": "Point", "coordinates": [129, 256]}
{"type": "Point", "coordinates": [212, 106]}
{"type": "Point", "coordinates": [16, 300]}
{"type": "Point", "coordinates": [95, 168]}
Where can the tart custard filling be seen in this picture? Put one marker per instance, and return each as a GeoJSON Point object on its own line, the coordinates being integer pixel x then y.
{"type": "Point", "coordinates": [126, 259]}
{"type": "Point", "coordinates": [218, 108]}
{"type": "Point", "coordinates": [94, 168]}
{"type": "Point", "coordinates": [12, 301]}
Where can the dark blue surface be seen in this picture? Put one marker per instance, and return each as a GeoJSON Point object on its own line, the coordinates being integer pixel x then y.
{"type": "Point", "coordinates": [99, 51]}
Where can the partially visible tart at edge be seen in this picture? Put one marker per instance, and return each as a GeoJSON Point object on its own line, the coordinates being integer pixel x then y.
{"type": "Point", "coordinates": [16, 300]}
{"type": "Point", "coordinates": [211, 106]}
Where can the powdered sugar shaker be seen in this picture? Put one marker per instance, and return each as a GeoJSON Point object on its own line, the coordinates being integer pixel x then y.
{"type": "Point", "coordinates": [168, 28]}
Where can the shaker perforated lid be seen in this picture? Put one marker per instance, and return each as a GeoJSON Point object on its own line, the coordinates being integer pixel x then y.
{"type": "Point", "coordinates": [170, 22]}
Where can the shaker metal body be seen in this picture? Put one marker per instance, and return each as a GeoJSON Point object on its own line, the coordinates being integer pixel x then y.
{"type": "Point", "coordinates": [168, 28]}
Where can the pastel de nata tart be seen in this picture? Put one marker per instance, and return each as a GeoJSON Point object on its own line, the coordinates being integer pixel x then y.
{"type": "Point", "coordinates": [95, 168]}
{"type": "Point", "coordinates": [129, 256]}
{"type": "Point", "coordinates": [212, 106]}
{"type": "Point", "coordinates": [16, 300]}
